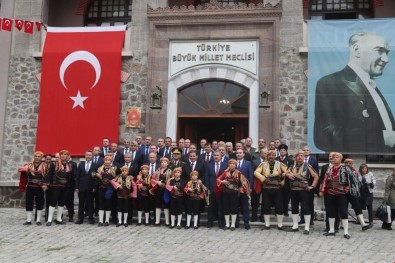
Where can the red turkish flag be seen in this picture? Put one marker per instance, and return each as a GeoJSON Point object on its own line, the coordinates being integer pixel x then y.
{"type": "Point", "coordinates": [80, 88]}
{"type": "Point", "coordinates": [29, 27]}
{"type": "Point", "coordinates": [6, 24]}
{"type": "Point", "coordinates": [19, 24]}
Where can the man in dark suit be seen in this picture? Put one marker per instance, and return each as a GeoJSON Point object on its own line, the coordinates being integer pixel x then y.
{"type": "Point", "coordinates": [127, 161]}
{"type": "Point", "coordinates": [351, 114]}
{"type": "Point", "coordinates": [207, 157]}
{"type": "Point", "coordinates": [214, 169]}
{"type": "Point", "coordinates": [117, 156]}
{"type": "Point", "coordinates": [248, 146]}
{"type": "Point", "coordinates": [245, 167]}
{"type": "Point", "coordinates": [84, 186]}
{"type": "Point", "coordinates": [96, 158]}
{"type": "Point", "coordinates": [314, 163]}
{"type": "Point", "coordinates": [143, 152]}
{"type": "Point", "coordinates": [105, 148]}
{"type": "Point", "coordinates": [194, 165]}
{"type": "Point", "coordinates": [126, 147]}
{"type": "Point", "coordinates": [165, 151]}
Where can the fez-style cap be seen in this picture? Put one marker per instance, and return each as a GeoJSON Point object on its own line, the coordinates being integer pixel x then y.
{"type": "Point", "coordinates": [283, 146]}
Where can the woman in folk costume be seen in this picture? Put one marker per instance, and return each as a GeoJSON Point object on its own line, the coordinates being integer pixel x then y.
{"type": "Point", "coordinates": [33, 181]}
{"type": "Point", "coordinates": [271, 174]}
{"type": "Point", "coordinates": [299, 175]}
{"type": "Point", "coordinates": [144, 187]}
{"type": "Point", "coordinates": [104, 175]}
{"type": "Point", "coordinates": [59, 174]}
{"type": "Point", "coordinates": [195, 191]}
{"type": "Point", "coordinates": [231, 183]}
{"type": "Point", "coordinates": [126, 189]}
{"type": "Point", "coordinates": [159, 180]}
{"type": "Point", "coordinates": [335, 187]}
{"type": "Point", "coordinates": [176, 187]}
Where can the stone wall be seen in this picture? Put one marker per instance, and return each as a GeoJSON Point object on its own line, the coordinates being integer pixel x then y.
{"type": "Point", "coordinates": [293, 83]}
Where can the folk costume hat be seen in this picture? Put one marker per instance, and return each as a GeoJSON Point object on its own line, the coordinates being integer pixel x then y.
{"type": "Point", "coordinates": [283, 146]}
{"type": "Point", "coordinates": [164, 159]}
{"type": "Point", "coordinates": [232, 161]}
{"type": "Point", "coordinates": [177, 169]}
{"type": "Point", "coordinates": [193, 173]}
{"type": "Point", "coordinates": [144, 167]}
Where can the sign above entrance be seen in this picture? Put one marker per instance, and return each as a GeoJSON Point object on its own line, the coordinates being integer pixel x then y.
{"type": "Point", "coordinates": [241, 54]}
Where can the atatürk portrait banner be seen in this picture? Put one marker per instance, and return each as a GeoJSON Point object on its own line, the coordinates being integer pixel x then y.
{"type": "Point", "coordinates": [351, 91]}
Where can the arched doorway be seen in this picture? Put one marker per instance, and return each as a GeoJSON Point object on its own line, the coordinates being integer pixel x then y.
{"type": "Point", "coordinates": [213, 109]}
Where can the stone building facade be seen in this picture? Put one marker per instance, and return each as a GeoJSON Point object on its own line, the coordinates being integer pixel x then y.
{"type": "Point", "coordinates": [277, 25]}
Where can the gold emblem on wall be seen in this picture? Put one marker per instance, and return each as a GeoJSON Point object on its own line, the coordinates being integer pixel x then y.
{"type": "Point", "coordinates": [133, 117]}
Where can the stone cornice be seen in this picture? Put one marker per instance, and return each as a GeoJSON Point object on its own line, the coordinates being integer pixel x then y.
{"type": "Point", "coordinates": [215, 10]}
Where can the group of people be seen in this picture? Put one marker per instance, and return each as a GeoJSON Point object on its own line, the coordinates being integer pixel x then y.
{"type": "Point", "coordinates": [183, 179]}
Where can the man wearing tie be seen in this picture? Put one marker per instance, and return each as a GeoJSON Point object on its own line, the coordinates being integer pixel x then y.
{"type": "Point", "coordinates": [96, 158]}
{"type": "Point", "coordinates": [245, 168]}
{"type": "Point", "coordinates": [106, 147]}
{"type": "Point", "coordinates": [84, 186]}
{"type": "Point", "coordinates": [351, 114]}
{"type": "Point", "coordinates": [313, 163]}
{"type": "Point", "coordinates": [207, 156]}
{"type": "Point", "coordinates": [214, 169]}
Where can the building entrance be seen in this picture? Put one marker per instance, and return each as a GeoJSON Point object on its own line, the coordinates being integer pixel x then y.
{"type": "Point", "coordinates": [220, 129]}
{"type": "Point", "coordinates": [214, 110]}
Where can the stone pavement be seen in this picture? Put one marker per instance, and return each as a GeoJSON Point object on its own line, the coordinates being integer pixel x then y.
{"type": "Point", "coordinates": [89, 243]}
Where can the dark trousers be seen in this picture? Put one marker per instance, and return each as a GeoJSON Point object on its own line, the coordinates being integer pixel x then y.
{"type": "Point", "coordinates": [158, 199]}
{"type": "Point", "coordinates": [337, 203]}
{"type": "Point", "coordinates": [48, 195]}
{"type": "Point", "coordinates": [254, 204]}
{"type": "Point", "coordinates": [244, 209]}
{"type": "Point", "coordinates": [286, 196]}
{"type": "Point", "coordinates": [69, 202]}
{"type": "Point", "coordinates": [34, 194]}
{"type": "Point", "coordinates": [114, 206]}
{"type": "Point", "coordinates": [59, 195]}
{"type": "Point", "coordinates": [311, 205]}
{"type": "Point", "coordinates": [176, 205]}
{"type": "Point", "coordinates": [143, 204]}
{"type": "Point", "coordinates": [123, 205]}
{"type": "Point", "coordinates": [212, 211]}
{"type": "Point", "coordinates": [230, 202]}
{"type": "Point", "coordinates": [369, 206]}
{"type": "Point", "coordinates": [356, 205]}
{"type": "Point", "coordinates": [300, 197]}
{"type": "Point", "coordinates": [85, 204]}
{"type": "Point", "coordinates": [95, 202]}
{"type": "Point", "coordinates": [272, 197]}
{"type": "Point", "coordinates": [337, 218]}
{"type": "Point", "coordinates": [104, 204]}
{"type": "Point", "coordinates": [193, 206]}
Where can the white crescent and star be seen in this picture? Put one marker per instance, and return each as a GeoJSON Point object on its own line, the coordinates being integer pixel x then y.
{"type": "Point", "coordinates": [78, 100]}
{"type": "Point", "coordinates": [80, 55]}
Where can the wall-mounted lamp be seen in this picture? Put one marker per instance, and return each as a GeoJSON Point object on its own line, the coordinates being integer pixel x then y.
{"type": "Point", "coordinates": [264, 98]}
{"type": "Point", "coordinates": [156, 99]}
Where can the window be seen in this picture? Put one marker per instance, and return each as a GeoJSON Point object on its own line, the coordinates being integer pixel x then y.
{"type": "Point", "coordinates": [340, 9]}
{"type": "Point", "coordinates": [109, 12]}
{"type": "Point", "coordinates": [223, 2]}
{"type": "Point", "coordinates": [213, 98]}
